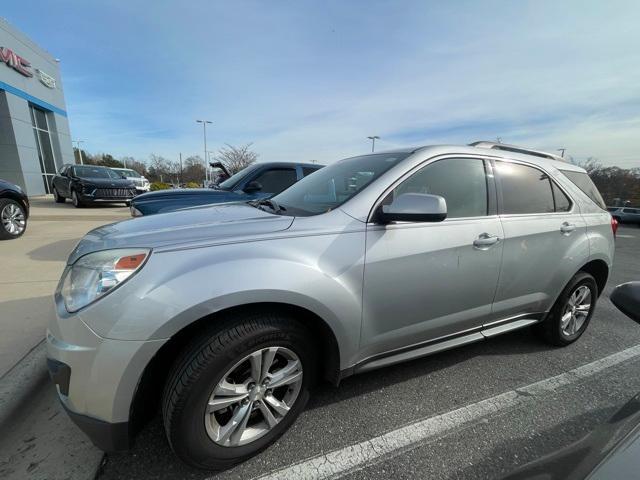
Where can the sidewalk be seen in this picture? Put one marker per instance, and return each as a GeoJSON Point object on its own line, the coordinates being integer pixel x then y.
{"type": "Point", "coordinates": [38, 440]}
{"type": "Point", "coordinates": [31, 267]}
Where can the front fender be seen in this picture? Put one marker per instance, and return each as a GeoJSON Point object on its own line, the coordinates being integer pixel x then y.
{"type": "Point", "coordinates": [322, 274]}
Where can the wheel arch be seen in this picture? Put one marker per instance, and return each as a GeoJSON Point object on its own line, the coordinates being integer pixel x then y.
{"type": "Point", "coordinates": [599, 270]}
{"type": "Point", "coordinates": [16, 198]}
{"type": "Point", "coordinates": [148, 392]}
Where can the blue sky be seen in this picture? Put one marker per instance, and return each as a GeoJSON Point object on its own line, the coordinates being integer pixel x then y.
{"type": "Point", "coordinates": [309, 80]}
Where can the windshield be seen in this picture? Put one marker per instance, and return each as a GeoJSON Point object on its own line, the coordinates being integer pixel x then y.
{"type": "Point", "coordinates": [233, 180]}
{"type": "Point", "coordinates": [127, 172]}
{"type": "Point", "coordinates": [331, 186]}
{"type": "Point", "coordinates": [95, 172]}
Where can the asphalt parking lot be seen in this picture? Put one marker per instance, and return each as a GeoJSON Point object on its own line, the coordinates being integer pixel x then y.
{"type": "Point", "coordinates": [476, 412]}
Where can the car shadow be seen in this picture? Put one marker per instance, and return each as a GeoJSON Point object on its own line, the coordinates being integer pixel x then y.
{"type": "Point", "coordinates": [520, 342]}
{"type": "Point", "coordinates": [54, 252]}
{"type": "Point", "coordinates": [152, 457]}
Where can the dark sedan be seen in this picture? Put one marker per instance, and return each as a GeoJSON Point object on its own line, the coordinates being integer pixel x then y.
{"type": "Point", "coordinates": [256, 182]}
{"type": "Point", "coordinates": [14, 211]}
{"type": "Point", "coordinates": [87, 184]}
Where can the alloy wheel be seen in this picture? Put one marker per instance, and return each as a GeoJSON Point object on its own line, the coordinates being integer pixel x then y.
{"type": "Point", "coordinates": [253, 396]}
{"type": "Point", "coordinates": [13, 219]}
{"type": "Point", "coordinates": [576, 311]}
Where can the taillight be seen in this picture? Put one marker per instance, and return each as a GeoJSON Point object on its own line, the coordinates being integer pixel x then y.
{"type": "Point", "coordinates": [614, 226]}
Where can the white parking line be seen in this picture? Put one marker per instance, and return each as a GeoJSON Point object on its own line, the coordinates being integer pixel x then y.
{"type": "Point", "coordinates": [625, 236]}
{"type": "Point", "coordinates": [353, 457]}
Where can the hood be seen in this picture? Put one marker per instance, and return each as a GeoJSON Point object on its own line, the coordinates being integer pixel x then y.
{"type": "Point", "coordinates": [106, 182]}
{"type": "Point", "coordinates": [181, 193]}
{"type": "Point", "coordinates": [216, 222]}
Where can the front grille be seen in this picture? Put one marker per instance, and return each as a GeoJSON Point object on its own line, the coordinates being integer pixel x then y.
{"type": "Point", "coordinates": [114, 192]}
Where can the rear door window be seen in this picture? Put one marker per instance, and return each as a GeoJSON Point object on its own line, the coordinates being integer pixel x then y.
{"type": "Point", "coordinates": [584, 183]}
{"type": "Point", "coordinates": [524, 189]}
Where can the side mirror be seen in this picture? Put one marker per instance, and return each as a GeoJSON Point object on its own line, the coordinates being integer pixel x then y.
{"type": "Point", "coordinates": [252, 187]}
{"type": "Point", "coordinates": [413, 207]}
{"type": "Point", "coordinates": [627, 298]}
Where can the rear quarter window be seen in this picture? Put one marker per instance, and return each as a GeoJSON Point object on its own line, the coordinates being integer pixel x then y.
{"type": "Point", "coordinates": [584, 183]}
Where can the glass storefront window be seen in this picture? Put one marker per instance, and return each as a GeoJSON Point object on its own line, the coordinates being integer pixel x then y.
{"type": "Point", "coordinates": [43, 143]}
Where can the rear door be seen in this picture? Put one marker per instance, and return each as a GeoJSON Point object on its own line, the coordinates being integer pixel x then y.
{"type": "Point", "coordinates": [545, 240]}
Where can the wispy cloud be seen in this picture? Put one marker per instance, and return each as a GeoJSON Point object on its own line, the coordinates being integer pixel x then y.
{"type": "Point", "coordinates": [309, 80]}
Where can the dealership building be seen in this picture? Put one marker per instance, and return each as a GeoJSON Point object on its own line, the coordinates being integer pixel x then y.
{"type": "Point", "coordinates": [34, 132]}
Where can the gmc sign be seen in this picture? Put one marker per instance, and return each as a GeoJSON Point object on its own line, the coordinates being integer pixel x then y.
{"type": "Point", "coordinates": [15, 61]}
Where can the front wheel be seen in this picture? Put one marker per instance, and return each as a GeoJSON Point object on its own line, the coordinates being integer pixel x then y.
{"type": "Point", "coordinates": [572, 312]}
{"type": "Point", "coordinates": [236, 392]}
{"type": "Point", "coordinates": [76, 200]}
{"type": "Point", "coordinates": [13, 220]}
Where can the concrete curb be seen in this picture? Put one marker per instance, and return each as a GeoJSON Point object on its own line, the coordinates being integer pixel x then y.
{"type": "Point", "coordinates": [18, 384]}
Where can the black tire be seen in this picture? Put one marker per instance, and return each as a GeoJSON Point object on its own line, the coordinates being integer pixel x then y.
{"type": "Point", "coordinates": [5, 234]}
{"type": "Point", "coordinates": [202, 366]}
{"type": "Point", "coordinates": [57, 197]}
{"type": "Point", "coordinates": [551, 328]}
{"type": "Point", "coordinates": [76, 200]}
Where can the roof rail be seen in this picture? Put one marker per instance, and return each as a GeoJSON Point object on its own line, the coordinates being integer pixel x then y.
{"type": "Point", "coordinates": [516, 149]}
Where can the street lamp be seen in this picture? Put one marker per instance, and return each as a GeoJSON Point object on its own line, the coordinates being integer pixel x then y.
{"type": "Point", "coordinates": [79, 150]}
{"type": "Point", "coordinates": [206, 167]}
{"type": "Point", "coordinates": [562, 151]}
{"type": "Point", "coordinates": [373, 139]}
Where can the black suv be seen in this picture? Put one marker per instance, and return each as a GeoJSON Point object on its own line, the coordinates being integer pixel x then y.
{"type": "Point", "coordinates": [86, 184]}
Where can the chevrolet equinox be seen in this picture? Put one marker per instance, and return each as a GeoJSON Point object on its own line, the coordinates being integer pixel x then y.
{"type": "Point", "coordinates": [228, 314]}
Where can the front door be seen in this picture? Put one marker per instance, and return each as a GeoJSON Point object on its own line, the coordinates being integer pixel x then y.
{"type": "Point", "coordinates": [424, 281]}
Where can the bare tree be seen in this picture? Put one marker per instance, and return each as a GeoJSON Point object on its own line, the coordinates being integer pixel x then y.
{"type": "Point", "coordinates": [236, 158]}
{"type": "Point", "coordinates": [192, 169]}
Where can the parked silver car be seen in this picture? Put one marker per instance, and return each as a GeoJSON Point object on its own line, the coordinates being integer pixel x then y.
{"type": "Point", "coordinates": [226, 315]}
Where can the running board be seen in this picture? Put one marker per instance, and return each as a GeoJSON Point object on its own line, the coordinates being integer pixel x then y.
{"type": "Point", "coordinates": [445, 343]}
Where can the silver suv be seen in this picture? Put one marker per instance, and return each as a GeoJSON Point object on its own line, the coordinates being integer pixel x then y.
{"type": "Point", "coordinates": [224, 316]}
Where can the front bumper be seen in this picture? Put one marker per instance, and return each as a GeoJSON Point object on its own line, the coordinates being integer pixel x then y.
{"type": "Point", "coordinates": [87, 198]}
{"type": "Point", "coordinates": [96, 378]}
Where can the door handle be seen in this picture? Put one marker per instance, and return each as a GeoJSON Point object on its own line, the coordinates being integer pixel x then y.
{"type": "Point", "coordinates": [485, 240]}
{"type": "Point", "coordinates": [567, 228]}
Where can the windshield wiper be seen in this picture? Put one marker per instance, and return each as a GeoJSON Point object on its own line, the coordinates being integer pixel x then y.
{"type": "Point", "coordinates": [272, 204]}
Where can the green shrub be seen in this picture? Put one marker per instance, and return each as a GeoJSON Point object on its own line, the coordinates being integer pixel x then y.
{"type": "Point", "coordinates": [193, 185]}
{"type": "Point", "coordinates": [159, 186]}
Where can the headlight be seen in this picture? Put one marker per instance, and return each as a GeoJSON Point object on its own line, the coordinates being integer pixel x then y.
{"type": "Point", "coordinates": [96, 274]}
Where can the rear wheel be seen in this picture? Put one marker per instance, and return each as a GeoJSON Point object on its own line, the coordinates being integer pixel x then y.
{"type": "Point", "coordinates": [236, 392]}
{"type": "Point", "coordinates": [572, 312]}
{"type": "Point", "coordinates": [57, 197]}
{"type": "Point", "coordinates": [13, 220]}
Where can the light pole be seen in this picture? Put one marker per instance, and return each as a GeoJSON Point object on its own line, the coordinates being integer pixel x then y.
{"type": "Point", "coordinates": [373, 139]}
{"type": "Point", "coordinates": [561, 150]}
{"type": "Point", "coordinates": [79, 150]}
{"type": "Point", "coordinates": [206, 167]}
